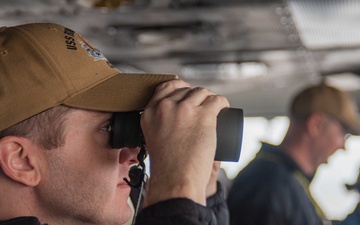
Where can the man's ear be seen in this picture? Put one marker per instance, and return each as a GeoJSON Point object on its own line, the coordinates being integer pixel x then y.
{"type": "Point", "coordinates": [316, 124]}
{"type": "Point", "coordinates": [20, 160]}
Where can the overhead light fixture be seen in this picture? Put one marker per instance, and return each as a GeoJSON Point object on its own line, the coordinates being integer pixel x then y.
{"type": "Point", "coordinates": [326, 24]}
{"type": "Point", "coordinates": [223, 71]}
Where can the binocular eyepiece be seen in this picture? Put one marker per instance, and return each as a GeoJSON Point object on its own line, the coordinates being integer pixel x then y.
{"type": "Point", "coordinates": [126, 132]}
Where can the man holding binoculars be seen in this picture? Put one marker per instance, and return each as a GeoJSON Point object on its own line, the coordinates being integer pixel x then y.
{"type": "Point", "coordinates": [57, 163]}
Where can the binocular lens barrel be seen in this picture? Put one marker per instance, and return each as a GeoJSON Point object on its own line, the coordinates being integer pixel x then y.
{"type": "Point", "coordinates": [126, 132]}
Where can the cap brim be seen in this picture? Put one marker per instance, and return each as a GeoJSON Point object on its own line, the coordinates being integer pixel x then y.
{"type": "Point", "coordinates": [352, 126]}
{"type": "Point", "coordinates": [120, 93]}
{"type": "Point", "coordinates": [354, 130]}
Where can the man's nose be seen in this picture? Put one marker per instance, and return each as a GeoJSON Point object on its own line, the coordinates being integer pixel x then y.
{"type": "Point", "coordinates": [129, 155]}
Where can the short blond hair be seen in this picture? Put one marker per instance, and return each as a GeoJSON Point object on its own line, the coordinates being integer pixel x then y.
{"type": "Point", "coordinates": [45, 128]}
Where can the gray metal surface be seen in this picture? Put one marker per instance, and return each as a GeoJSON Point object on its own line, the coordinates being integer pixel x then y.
{"type": "Point", "coordinates": [299, 41]}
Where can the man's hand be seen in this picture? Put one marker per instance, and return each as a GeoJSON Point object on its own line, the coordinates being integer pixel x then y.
{"type": "Point", "coordinates": [179, 125]}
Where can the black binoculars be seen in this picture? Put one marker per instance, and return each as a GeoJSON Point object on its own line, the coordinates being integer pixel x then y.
{"type": "Point", "coordinates": [126, 132]}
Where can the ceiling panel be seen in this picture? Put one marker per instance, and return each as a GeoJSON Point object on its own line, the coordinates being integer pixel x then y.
{"type": "Point", "coordinates": [299, 41]}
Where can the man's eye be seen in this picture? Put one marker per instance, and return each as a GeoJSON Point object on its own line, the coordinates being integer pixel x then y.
{"type": "Point", "coordinates": [107, 128]}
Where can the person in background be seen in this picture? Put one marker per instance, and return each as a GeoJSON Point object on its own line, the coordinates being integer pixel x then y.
{"type": "Point", "coordinates": [58, 94]}
{"type": "Point", "coordinates": [274, 188]}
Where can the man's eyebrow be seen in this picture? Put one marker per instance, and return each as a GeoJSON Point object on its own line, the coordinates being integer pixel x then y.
{"type": "Point", "coordinates": [105, 115]}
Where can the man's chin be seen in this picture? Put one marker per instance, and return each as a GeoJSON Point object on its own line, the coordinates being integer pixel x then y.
{"type": "Point", "coordinates": [132, 211]}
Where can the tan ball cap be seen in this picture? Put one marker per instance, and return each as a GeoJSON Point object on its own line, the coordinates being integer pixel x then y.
{"type": "Point", "coordinates": [329, 100]}
{"type": "Point", "coordinates": [43, 65]}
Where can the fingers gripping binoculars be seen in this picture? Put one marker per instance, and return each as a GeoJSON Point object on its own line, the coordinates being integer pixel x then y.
{"type": "Point", "coordinates": [126, 132]}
